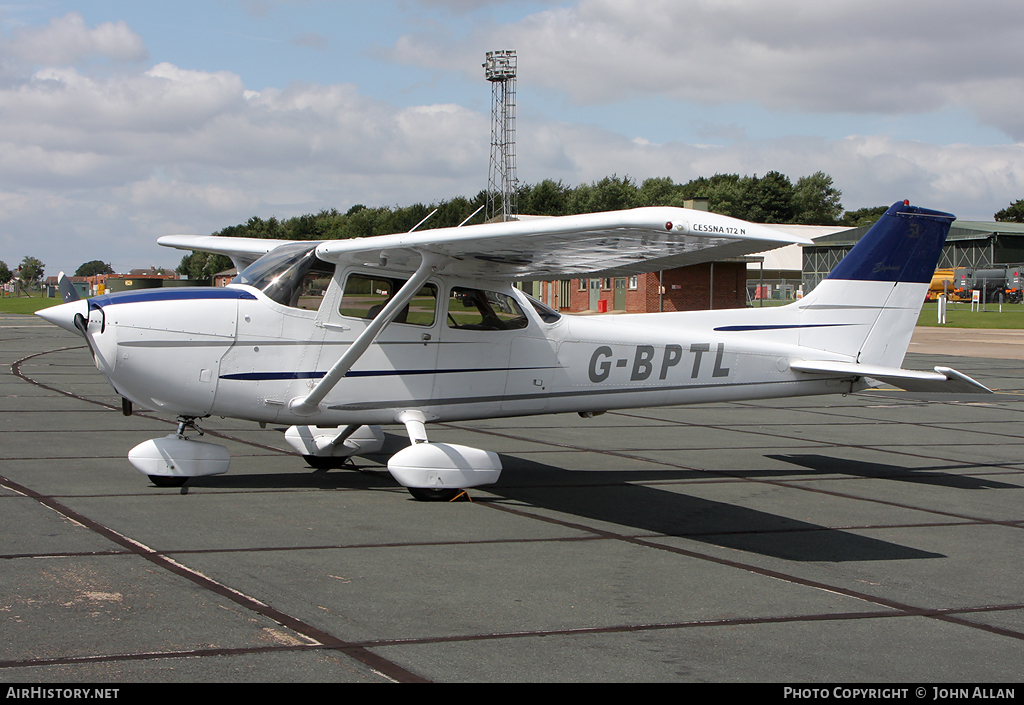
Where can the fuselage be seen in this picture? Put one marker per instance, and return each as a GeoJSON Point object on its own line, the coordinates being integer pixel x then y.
{"type": "Point", "coordinates": [463, 349]}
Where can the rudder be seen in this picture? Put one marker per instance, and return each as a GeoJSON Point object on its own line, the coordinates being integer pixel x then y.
{"type": "Point", "coordinates": [868, 305]}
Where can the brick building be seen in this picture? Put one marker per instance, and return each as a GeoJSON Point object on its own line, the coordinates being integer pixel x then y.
{"type": "Point", "coordinates": [709, 285]}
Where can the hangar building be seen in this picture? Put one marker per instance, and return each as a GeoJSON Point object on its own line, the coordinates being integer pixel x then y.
{"type": "Point", "coordinates": [975, 244]}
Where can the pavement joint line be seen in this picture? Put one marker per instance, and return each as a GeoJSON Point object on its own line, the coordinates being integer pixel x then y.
{"type": "Point", "coordinates": [314, 635]}
{"type": "Point", "coordinates": [154, 655]}
{"type": "Point", "coordinates": [935, 425]}
{"type": "Point", "coordinates": [16, 371]}
{"type": "Point", "coordinates": [415, 641]}
{"type": "Point", "coordinates": [778, 483]}
{"type": "Point", "coordinates": [904, 609]}
{"type": "Point", "coordinates": [725, 622]}
{"type": "Point", "coordinates": [829, 444]}
{"type": "Point", "coordinates": [952, 616]}
{"type": "Point", "coordinates": [482, 542]}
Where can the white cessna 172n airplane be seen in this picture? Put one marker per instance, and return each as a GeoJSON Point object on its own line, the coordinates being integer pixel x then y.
{"type": "Point", "coordinates": [338, 337]}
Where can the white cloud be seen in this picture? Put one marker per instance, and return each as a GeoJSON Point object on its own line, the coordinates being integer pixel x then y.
{"type": "Point", "coordinates": [971, 181]}
{"type": "Point", "coordinates": [95, 164]}
{"type": "Point", "coordinates": [68, 41]}
{"type": "Point", "coordinates": [841, 56]}
{"type": "Point", "coordinates": [110, 163]}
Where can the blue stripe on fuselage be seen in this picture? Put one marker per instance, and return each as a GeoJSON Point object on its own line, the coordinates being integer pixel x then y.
{"type": "Point", "coordinates": [171, 294]}
{"type": "Point", "coordinates": [268, 376]}
{"type": "Point", "coordinates": [781, 326]}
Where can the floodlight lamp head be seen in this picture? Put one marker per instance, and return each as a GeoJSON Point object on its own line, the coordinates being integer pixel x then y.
{"type": "Point", "coordinates": [500, 66]}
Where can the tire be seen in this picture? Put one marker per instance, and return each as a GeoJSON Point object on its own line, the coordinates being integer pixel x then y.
{"type": "Point", "coordinates": [324, 462]}
{"type": "Point", "coordinates": [168, 480]}
{"type": "Point", "coordinates": [429, 494]}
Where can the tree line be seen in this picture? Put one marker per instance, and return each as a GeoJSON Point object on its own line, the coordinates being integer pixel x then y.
{"type": "Point", "coordinates": [30, 272]}
{"type": "Point", "coordinates": [772, 198]}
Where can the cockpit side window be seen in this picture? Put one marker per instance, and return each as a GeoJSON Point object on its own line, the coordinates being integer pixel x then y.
{"type": "Point", "coordinates": [366, 295]}
{"type": "Point", "coordinates": [292, 275]}
{"type": "Point", "coordinates": [475, 309]}
{"type": "Point", "coordinates": [546, 313]}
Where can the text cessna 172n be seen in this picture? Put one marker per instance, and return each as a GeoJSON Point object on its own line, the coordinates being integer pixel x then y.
{"type": "Point", "coordinates": [336, 338]}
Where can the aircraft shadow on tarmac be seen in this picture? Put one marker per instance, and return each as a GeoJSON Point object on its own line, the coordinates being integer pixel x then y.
{"type": "Point", "coordinates": [615, 497]}
{"type": "Point", "coordinates": [933, 475]}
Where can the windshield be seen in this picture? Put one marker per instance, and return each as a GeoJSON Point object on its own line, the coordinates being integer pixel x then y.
{"type": "Point", "coordinates": [288, 272]}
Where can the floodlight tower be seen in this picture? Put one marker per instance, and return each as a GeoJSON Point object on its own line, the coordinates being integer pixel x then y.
{"type": "Point", "coordinates": [502, 184]}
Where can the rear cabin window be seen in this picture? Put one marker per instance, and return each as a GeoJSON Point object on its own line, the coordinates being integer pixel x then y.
{"type": "Point", "coordinates": [366, 296]}
{"type": "Point", "coordinates": [474, 309]}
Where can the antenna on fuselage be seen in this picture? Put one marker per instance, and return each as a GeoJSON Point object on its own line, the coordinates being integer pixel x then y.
{"type": "Point", "coordinates": [471, 216]}
{"type": "Point", "coordinates": [423, 221]}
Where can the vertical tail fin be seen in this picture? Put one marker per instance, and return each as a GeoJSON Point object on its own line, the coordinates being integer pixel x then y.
{"type": "Point", "coordinates": [868, 305]}
{"type": "Point", "coordinates": [67, 289]}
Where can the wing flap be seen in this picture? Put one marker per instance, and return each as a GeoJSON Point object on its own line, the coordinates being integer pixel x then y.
{"type": "Point", "coordinates": [943, 379]}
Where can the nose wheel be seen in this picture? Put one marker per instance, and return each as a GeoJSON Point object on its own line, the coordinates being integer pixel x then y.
{"type": "Point", "coordinates": [430, 494]}
{"type": "Point", "coordinates": [167, 480]}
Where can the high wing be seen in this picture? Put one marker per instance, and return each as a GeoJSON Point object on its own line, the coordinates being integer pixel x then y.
{"type": "Point", "coordinates": [243, 251]}
{"type": "Point", "coordinates": [613, 243]}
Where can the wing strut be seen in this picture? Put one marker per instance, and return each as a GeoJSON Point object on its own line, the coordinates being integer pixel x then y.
{"type": "Point", "coordinates": [310, 404]}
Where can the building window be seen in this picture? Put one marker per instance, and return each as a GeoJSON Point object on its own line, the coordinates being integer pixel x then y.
{"type": "Point", "coordinates": [634, 283]}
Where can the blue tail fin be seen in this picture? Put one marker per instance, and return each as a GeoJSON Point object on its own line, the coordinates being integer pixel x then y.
{"type": "Point", "coordinates": [903, 246]}
{"type": "Point", "coordinates": [867, 307]}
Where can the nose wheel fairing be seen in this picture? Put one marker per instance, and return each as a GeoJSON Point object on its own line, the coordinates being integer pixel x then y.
{"type": "Point", "coordinates": [171, 460]}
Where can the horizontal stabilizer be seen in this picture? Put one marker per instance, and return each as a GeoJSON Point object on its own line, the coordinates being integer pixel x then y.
{"type": "Point", "coordinates": [943, 379]}
{"type": "Point", "coordinates": [67, 289]}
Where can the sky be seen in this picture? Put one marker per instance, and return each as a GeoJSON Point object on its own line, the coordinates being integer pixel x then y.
{"type": "Point", "coordinates": [124, 121]}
